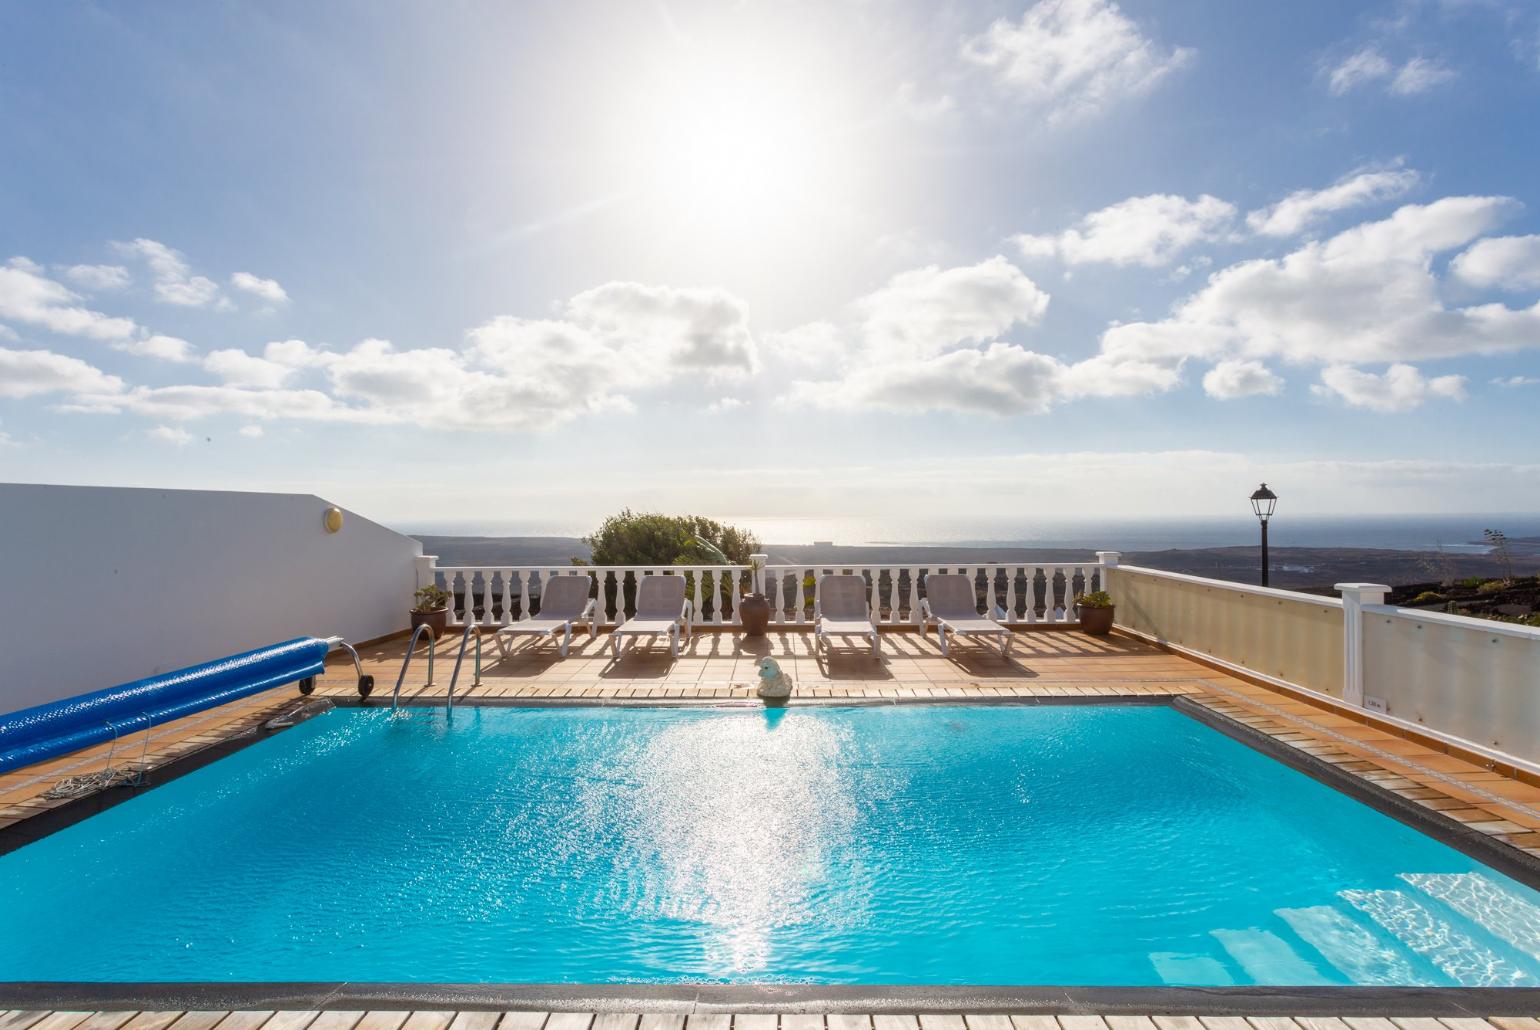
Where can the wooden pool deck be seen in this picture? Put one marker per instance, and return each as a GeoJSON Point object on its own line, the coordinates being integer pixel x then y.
{"type": "Point", "coordinates": [720, 667]}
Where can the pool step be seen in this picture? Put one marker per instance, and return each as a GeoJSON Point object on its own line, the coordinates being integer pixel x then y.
{"type": "Point", "coordinates": [1268, 958]}
{"type": "Point", "coordinates": [1352, 949]}
{"type": "Point", "coordinates": [1487, 904]}
{"type": "Point", "coordinates": [1186, 970]}
{"type": "Point", "coordinates": [1467, 961]}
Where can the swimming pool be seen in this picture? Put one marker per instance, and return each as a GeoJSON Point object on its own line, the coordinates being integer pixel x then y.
{"type": "Point", "coordinates": [908, 844]}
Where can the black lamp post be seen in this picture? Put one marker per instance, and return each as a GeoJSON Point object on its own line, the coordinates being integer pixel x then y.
{"type": "Point", "coordinates": [1263, 501]}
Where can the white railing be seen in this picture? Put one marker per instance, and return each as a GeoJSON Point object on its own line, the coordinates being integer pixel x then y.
{"type": "Point", "coordinates": [493, 596]}
{"type": "Point", "coordinates": [1028, 593]}
{"type": "Point", "coordinates": [1473, 683]}
{"type": "Point", "coordinates": [1018, 594]}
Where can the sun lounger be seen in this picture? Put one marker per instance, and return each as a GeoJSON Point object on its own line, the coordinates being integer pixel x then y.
{"type": "Point", "coordinates": [564, 602]}
{"type": "Point", "coordinates": [661, 608]}
{"type": "Point", "coordinates": [841, 610]}
{"type": "Point", "coordinates": [951, 604]}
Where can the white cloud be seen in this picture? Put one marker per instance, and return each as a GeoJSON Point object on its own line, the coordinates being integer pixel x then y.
{"type": "Point", "coordinates": [267, 289]}
{"type": "Point", "coordinates": [1504, 262]}
{"type": "Point", "coordinates": [1303, 208]}
{"type": "Point", "coordinates": [252, 432]}
{"type": "Point", "coordinates": [1401, 387]}
{"type": "Point", "coordinates": [161, 348]}
{"type": "Point", "coordinates": [925, 311]}
{"type": "Point", "coordinates": [28, 296]}
{"type": "Point", "coordinates": [1511, 382]}
{"type": "Point", "coordinates": [725, 404]}
{"type": "Point", "coordinates": [1072, 58]}
{"type": "Point", "coordinates": [670, 330]}
{"type": "Point", "coordinates": [928, 340]}
{"type": "Point", "coordinates": [174, 281]}
{"type": "Point", "coordinates": [25, 373]}
{"type": "Point", "coordinates": [1232, 379]}
{"type": "Point", "coordinates": [170, 434]}
{"type": "Point", "coordinates": [1419, 75]}
{"type": "Point", "coordinates": [1149, 231]}
{"type": "Point", "coordinates": [98, 278]}
{"type": "Point", "coordinates": [1365, 295]}
{"type": "Point", "coordinates": [612, 341]}
{"type": "Point", "coordinates": [238, 368]}
{"type": "Point", "coordinates": [1367, 65]}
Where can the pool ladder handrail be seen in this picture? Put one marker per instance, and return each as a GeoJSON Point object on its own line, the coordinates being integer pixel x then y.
{"type": "Point", "coordinates": [471, 629]}
{"type": "Point", "coordinates": [411, 649]}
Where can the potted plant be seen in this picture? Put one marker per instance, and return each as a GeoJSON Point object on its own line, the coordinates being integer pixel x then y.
{"type": "Point", "coordinates": [753, 608]}
{"type": "Point", "coordinates": [432, 610]}
{"type": "Point", "coordinates": [1096, 610]}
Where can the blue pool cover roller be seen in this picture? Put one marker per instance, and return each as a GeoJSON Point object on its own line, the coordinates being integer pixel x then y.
{"type": "Point", "coordinates": [59, 727]}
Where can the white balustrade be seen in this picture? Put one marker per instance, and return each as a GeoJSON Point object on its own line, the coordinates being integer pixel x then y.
{"type": "Point", "coordinates": [715, 589]}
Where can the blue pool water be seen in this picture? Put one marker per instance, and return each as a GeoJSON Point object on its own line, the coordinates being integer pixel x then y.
{"type": "Point", "coordinates": [896, 844]}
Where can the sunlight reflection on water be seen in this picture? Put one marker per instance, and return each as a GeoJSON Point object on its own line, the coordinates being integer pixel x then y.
{"type": "Point", "coordinates": [736, 821]}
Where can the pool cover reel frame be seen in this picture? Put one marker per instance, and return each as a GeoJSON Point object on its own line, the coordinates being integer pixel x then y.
{"type": "Point", "coordinates": [59, 727]}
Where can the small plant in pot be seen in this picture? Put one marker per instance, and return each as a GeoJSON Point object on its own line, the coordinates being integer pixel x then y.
{"type": "Point", "coordinates": [753, 608]}
{"type": "Point", "coordinates": [1096, 610]}
{"type": "Point", "coordinates": [432, 610]}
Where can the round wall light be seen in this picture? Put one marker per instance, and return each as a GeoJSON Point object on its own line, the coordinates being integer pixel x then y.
{"type": "Point", "coordinates": [332, 519]}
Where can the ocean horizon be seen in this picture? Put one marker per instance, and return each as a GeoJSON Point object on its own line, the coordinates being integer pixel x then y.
{"type": "Point", "coordinates": [1459, 534]}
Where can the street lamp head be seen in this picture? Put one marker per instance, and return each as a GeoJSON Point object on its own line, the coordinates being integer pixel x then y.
{"type": "Point", "coordinates": [1263, 501]}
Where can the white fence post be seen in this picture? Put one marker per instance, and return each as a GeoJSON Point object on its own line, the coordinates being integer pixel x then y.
{"type": "Point", "coordinates": [1354, 597]}
{"type": "Point", "coordinates": [1109, 561]}
{"type": "Point", "coordinates": [758, 561]}
{"type": "Point", "coordinates": [426, 566]}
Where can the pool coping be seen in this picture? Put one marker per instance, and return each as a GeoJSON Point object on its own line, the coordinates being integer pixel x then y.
{"type": "Point", "coordinates": [773, 997]}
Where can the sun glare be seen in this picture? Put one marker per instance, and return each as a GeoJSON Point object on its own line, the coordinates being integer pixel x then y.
{"type": "Point", "coordinates": [724, 144]}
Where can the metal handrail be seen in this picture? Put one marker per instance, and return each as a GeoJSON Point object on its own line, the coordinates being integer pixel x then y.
{"type": "Point", "coordinates": [365, 680]}
{"type": "Point", "coordinates": [471, 629]}
{"type": "Point", "coordinates": [410, 650]}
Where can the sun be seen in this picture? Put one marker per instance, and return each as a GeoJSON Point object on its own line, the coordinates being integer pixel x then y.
{"type": "Point", "coordinates": [724, 143]}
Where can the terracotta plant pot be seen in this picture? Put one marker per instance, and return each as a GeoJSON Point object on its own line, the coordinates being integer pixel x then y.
{"type": "Point", "coordinates": [436, 621]}
{"type": "Point", "coordinates": [754, 612]}
{"type": "Point", "coordinates": [1096, 621]}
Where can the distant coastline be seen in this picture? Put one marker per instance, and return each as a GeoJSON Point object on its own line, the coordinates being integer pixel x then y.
{"type": "Point", "coordinates": [1306, 568]}
{"type": "Point", "coordinates": [1452, 534]}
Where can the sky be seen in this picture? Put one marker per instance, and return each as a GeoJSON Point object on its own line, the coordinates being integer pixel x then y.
{"type": "Point", "coordinates": [534, 263]}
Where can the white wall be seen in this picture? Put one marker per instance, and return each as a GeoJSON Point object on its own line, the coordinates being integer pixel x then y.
{"type": "Point", "coordinates": [105, 584]}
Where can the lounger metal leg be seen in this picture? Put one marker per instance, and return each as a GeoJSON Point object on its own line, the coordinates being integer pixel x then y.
{"type": "Point", "coordinates": [615, 644]}
{"type": "Point", "coordinates": [566, 640]}
{"type": "Point", "coordinates": [941, 637]}
{"type": "Point", "coordinates": [673, 641]}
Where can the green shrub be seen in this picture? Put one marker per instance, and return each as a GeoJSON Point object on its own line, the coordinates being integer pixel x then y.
{"type": "Point", "coordinates": [1492, 586]}
{"type": "Point", "coordinates": [432, 599]}
{"type": "Point", "coordinates": [1095, 599]}
{"type": "Point", "coordinates": [1428, 597]}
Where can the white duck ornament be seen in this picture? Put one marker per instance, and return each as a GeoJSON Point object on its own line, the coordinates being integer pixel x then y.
{"type": "Point", "coordinates": [774, 685]}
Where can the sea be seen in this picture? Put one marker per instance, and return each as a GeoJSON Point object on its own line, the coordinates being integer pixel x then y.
{"type": "Point", "coordinates": [1456, 534]}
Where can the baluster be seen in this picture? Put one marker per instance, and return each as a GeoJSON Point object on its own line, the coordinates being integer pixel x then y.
{"type": "Point", "coordinates": [1069, 595]}
{"type": "Point", "coordinates": [1029, 612]}
{"type": "Point", "coordinates": [1010, 594]}
{"type": "Point", "coordinates": [817, 575]}
{"type": "Point", "coordinates": [723, 577]}
{"type": "Point", "coordinates": [503, 576]}
{"type": "Point", "coordinates": [893, 605]}
{"type": "Point", "coordinates": [524, 593]}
